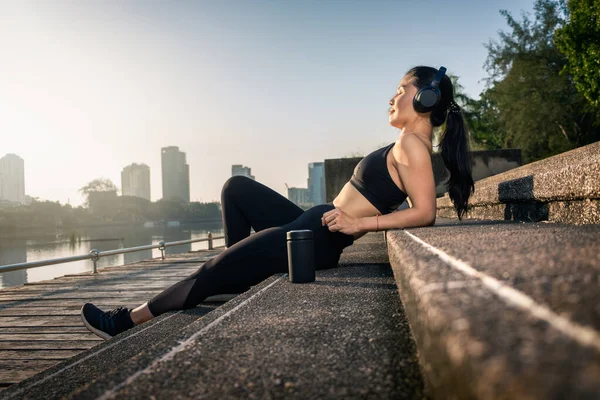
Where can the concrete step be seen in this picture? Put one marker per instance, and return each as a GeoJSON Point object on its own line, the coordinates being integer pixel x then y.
{"type": "Point", "coordinates": [563, 188]}
{"type": "Point", "coordinates": [342, 336]}
{"type": "Point", "coordinates": [503, 310]}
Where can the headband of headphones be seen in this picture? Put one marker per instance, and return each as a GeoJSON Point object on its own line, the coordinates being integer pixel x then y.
{"type": "Point", "coordinates": [438, 77]}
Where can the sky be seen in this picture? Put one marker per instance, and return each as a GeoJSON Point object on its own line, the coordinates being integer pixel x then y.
{"type": "Point", "coordinates": [89, 87]}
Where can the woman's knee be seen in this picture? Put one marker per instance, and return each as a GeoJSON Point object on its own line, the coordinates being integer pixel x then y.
{"type": "Point", "coordinates": [234, 185]}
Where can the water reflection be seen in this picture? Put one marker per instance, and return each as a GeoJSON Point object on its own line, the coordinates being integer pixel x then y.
{"type": "Point", "coordinates": [44, 246]}
{"type": "Point", "coordinates": [171, 235]}
{"type": "Point", "coordinates": [13, 252]}
{"type": "Point", "coordinates": [143, 237]}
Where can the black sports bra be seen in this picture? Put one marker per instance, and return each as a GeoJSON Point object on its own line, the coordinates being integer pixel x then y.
{"type": "Point", "coordinates": [373, 180]}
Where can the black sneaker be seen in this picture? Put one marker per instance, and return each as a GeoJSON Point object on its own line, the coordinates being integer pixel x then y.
{"type": "Point", "coordinates": [105, 324]}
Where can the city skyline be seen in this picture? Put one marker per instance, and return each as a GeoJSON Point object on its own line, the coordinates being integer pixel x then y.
{"type": "Point", "coordinates": [135, 178]}
{"type": "Point", "coordinates": [91, 86]}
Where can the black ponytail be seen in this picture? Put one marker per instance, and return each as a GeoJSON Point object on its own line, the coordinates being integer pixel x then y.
{"type": "Point", "coordinates": [454, 143]}
{"type": "Point", "coordinates": [457, 158]}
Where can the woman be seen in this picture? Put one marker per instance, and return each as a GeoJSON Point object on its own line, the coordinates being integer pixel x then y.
{"type": "Point", "coordinates": [381, 182]}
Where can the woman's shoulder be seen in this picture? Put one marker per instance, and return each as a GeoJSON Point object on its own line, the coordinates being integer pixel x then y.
{"type": "Point", "coordinates": [410, 145]}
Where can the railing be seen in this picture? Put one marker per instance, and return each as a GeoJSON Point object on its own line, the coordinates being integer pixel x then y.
{"type": "Point", "coordinates": [95, 255]}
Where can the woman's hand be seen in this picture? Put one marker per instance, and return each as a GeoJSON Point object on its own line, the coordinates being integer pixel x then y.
{"type": "Point", "coordinates": [337, 220]}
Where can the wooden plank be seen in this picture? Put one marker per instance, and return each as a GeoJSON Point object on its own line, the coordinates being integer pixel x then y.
{"type": "Point", "coordinates": [47, 311]}
{"type": "Point", "coordinates": [101, 286]}
{"type": "Point", "coordinates": [23, 312]}
{"type": "Point", "coordinates": [16, 371]}
{"type": "Point", "coordinates": [73, 303]}
{"type": "Point", "coordinates": [106, 279]}
{"type": "Point", "coordinates": [41, 321]}
{"type": "Point", "coordinates": [39, 305]}
{"type": "Point", "coordinates": [84, 296]}
{"type": "Point", "coordinates": [44, 285]}
{"type": "Point", "coordinates": [113, 277]}
{"type": "Point", "coordinates": [4, 337]}
{"type": "Point", "coordinates": [137, 281]}
{"type": "Point", "coordinates": [121, 301]}
{"type": "Point", "coordinates": [109, 277]}
{"type": "Point", "coordinates": [38, 354]}
{"type": "Point", "coordinates": [47, 345]}
{"type": "Point", "coordinates": [88, 291]}
{"type": "Point", "coordinates": [44, 329]}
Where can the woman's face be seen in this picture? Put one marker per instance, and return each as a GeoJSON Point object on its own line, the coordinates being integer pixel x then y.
{"type": "Point", "coordinates": [401, 105]}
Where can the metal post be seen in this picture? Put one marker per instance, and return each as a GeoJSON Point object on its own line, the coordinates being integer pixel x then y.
{"type": "Point", "coordinates": [95, 257]}
{"type": "Point", "coordinates": [162, 249]}
{"type": "Point", "coordinates": [210, 241]}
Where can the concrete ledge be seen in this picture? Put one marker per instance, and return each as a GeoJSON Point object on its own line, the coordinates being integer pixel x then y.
{"type": "Point", "coordinates": [577, 212]}
{"type": "Point", "coordinates": [518, 321]}
{"type": "Point", "coordinates": [562, 188]}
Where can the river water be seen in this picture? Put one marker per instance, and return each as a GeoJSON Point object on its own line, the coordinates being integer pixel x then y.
{"type": "Point", "coordinates": [57, 244]}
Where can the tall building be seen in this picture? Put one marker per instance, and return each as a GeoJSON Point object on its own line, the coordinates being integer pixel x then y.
{"type": "Point", "coordinates": [12, 178]}
{"type": "Point", "coordinates": [299, 196]}
{"type": "Point", "coordinates": [316, 182]}
{"type": "Point", "coordinates": [239, 169]}
{"type": "Point", "coordinates": [135, 181]}
{"type": "Point", "coordinates": [175, 174]}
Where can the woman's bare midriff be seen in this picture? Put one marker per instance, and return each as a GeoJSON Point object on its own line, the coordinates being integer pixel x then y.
{"type": "Point", "coordinates": [354, 204]}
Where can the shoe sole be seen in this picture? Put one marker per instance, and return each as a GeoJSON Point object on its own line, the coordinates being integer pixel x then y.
{"type": "Point", "coordinates": [90, 328]}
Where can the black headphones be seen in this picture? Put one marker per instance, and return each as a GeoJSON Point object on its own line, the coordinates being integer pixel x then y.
{"type": "Point", "coordinates": [429, 96]}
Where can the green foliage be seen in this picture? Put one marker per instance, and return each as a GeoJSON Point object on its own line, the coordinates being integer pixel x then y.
{"type": "Point", "coordinates": [529, 104]}
{"type": "Point", "coordinates": [480, 118]}
{"type": "Point", "coordinates": [579, 41]}
{"type": "Point", "coordinates": [483, 121]}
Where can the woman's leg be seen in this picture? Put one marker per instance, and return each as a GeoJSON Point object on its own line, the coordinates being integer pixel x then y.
{"type": "Point", "coordinates": [251, 261]}
{"type": "Point", "coordinates": [245, 204]}
{"type": "Point", "coordinates": [246, 263]}
{"type": "Point", "coordinates": [249, 204]}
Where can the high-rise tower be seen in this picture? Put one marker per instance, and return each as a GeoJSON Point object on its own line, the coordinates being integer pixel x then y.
{"type": "Point", "coordinates": [175, 174]}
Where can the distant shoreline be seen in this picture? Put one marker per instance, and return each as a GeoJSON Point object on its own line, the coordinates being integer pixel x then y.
{"type": "Point", "coordinates": [23, 232]}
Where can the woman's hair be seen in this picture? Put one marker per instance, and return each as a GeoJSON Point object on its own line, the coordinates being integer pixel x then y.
{"type": "Point", "coordinates": [454, 142]}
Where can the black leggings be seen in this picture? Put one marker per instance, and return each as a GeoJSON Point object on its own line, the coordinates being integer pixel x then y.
{"type": "Point", "coordinates": [250, 259]}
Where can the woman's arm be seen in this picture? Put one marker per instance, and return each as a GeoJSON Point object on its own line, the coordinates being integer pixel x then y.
{"type": "Point", "coordinates": [416, 173]}
{"type": "Point", "coordinates": [406, 218]}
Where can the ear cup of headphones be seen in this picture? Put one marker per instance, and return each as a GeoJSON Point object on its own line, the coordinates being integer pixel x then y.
{"type": "Point", "coordinates": [429, 96]}
{"type": "Point", "coordinates": [426, 99]}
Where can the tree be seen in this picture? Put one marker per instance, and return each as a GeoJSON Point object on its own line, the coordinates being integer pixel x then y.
{"type": "Point", "coordinates": [483, 120]}
{"type": "Point", "coordinates": [97, 185]}
{"type": "Point", "coordinates": [173, 208]}
{"type": "Point", "coordinates": [579, 41]}
{"type": "Point", "coordinates": [538, 108]}
{"type": "Point", "coordinates": [481, 135]}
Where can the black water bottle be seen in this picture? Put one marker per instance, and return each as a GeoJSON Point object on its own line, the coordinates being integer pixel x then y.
{"type": "Point", "coordinates": [301, 256]}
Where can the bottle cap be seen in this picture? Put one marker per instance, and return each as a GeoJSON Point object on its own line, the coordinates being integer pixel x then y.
{"type": "Point", "coordinates": [300, 234]}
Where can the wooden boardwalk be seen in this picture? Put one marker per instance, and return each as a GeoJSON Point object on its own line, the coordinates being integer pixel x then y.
{"type": "Point", "coordinates": [40, 325]}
